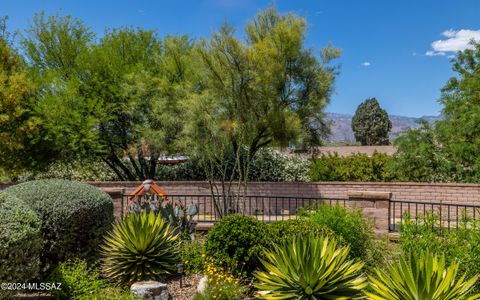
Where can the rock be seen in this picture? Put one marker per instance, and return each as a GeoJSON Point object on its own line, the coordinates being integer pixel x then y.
{"type": "Point", "coordinates": [202, 284]}
{"type": "Point", "coordinates": [151, 290]}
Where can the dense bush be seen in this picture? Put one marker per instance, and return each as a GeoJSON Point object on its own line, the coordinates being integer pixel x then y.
{"type": "Point", "coordinates": [310, 268]}
{"type": "Point", "coordinates": [462, 244]}
{"type": "Point", "coordinates": [236, 242]}
{"type": "Point", "coordinates": [269, 165]}
{"type": "Point", "coordinates": [74, 217]}
{"type": "Point", "coordinates": [142, 246]}
{"type": "Point", "coordinates": [193, 256]}
{"type": "Point", "coordinates": [355, 230]}
{"type": "Point", "coordinates": [282, 232]}
{"type": "Point", "coordinates": [357, 167]}
{"type": "Point", "coordinates": [80, 170]}
{"type": "Point", "coordinates": [20, 241]}
{"type": "Point", "coordinates": [77, 279]}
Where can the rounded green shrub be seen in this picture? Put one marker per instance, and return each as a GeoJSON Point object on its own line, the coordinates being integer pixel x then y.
{"type": "Point", "coordinates": [282, 232]}
{"type": "Point", "coordinates": [236, 242]}
{"type": "Point", "coordinates": [20, 240]}
{"type": "Point", "coordinates": [354, 229]}
{"type": "Point", "coordinates": [74, 217]}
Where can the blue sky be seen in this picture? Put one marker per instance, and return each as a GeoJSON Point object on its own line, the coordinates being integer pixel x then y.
{"type": "Point", "coordinates": [387, 44]}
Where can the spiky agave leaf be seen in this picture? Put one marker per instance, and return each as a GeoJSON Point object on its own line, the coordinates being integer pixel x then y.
{"type": "Point", "coordinates": [309, 268]}
{"type": "Point", "coordinates": [421, 277]}
{"type": "Point", "coordinates": [140, 247]}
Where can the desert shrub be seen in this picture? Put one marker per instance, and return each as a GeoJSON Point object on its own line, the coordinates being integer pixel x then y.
{"type": "Point", "coordinates": [193, 256]}
{"type": "Point", "coordinates": [354, 229]}
{"type": "Point", "coordinates": [80, 170]}
{"type": "Point", "coordinates": [220, 284]}
{"type": "Point", "coordinates": [77, 280]}
{"type": "Point", "coordinates": [357, 167]}
{"type": "Point", "coordinates": [461, 244]}
{"type": "Point", "coordinates": [269, 165]}
{"type": "Point", "coordinates": [142, 246]}
{"type": "Point", "coordinates": [74, 217]}
{"type": "Point", "coordinates": [236, 242]}
{"type": "Point", "coordinates": [188, 170]}
{"type": "Point", "coordinates": [421, 276]}
{"type": "Point", "coordinates": [20, 241]}
{"type": "Point", "coordinates": [310, 268]}
{"type": "Point", "coordinates": [110, 293]}
{"type": "Point", "coordinates": [282, 232]}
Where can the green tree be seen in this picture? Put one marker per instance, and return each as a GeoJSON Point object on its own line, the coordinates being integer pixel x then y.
{"type": "Point", "coordinates": [265, 90]}
{"type": "Point", "coordinates": [20, 145]}
{"type": "Point", "coordinates": [371, 124]}
{"type": "Point", "coordinates": [115, 99]}
{"type": "Point", "coordinates": [459, 129]}
{"type": "Point", "coordinates": [448, 150]}
{"type": "Point", "coordinates": [420, 156]}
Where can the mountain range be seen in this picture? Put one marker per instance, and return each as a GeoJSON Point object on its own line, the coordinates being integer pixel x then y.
{"type": "Point", "coordinates": [341, 128]}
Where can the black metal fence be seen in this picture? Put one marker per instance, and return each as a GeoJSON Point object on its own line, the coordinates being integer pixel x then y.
{"type": "Point", "coordinates": [442, 215]}
{"type": "Point", "coordinates": [276, 208]}
{"type": "Point", "coordinates": [264, 208]}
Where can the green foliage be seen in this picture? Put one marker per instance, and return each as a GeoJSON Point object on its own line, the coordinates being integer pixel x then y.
{"type": "Point", "coordinates": [74, 217]}
{"type": "Point", "coordinates": [420, 157]}
{"type": "Point", "coordinates": [77, 280]}
{"type": "Point", "coordinates": [282, 232]}
{"type": "Point", "coordinates": [140, 247]}
{"type": "Point", "coordinates": [20, 241]}
{"type": "Point", "coordinates": [449, 150]}
{"type": "Point", "coordinates": [310, 268]}
{"type": "Point", "coordinates": [19, 127]}
{"type": "Point", "coordinates": [354, 229]}
{"type": "Point", "coordinates": [269, 165]}
{"type": "Point", "coordinates": [421, 276]}
{"type": "Point", "coordinates": [371, 124]}
{"type": "Point", "coordinates": [461, 244]}
{"type": "Point", "coordinates": [193, 256]}
{"type": "Point", "coordinates": [79, 170]}
{"type": "Point", "coordinates": [110, 293]}
{"type": "Point", "coordinates": [236, 242]}
{"type": "Point", "coordinates": [357, 167]}
{"type": "Point", "coordinates": [458, 130]}
{"type": "Point", "coordinates": [220, 285]}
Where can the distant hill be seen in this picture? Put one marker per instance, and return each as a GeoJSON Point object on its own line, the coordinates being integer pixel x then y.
{"type": "Point", "coordinates": [342, 130]}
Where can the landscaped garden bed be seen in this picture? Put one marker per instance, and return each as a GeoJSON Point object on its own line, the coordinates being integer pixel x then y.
{"type": "Point", "coordinates": [326, 251]}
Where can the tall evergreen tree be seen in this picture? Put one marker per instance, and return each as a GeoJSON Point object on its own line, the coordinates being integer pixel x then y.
{"type": "Point", "coordinates": [371, 124]}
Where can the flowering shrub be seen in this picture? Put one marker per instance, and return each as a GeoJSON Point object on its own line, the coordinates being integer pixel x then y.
{"type": "Point", "coordinates": [221, 284]}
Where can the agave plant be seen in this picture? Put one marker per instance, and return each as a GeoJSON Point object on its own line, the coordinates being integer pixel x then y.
{"type": "Point", "coordinates": [140, 247]}
{"type": "Point", "coordinates": [309, 268]}
{"type": "Point", "coordinates": [422, 277]}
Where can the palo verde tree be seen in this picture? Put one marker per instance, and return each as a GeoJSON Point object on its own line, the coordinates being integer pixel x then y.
{"type": "Point", "coordinates": [266, 89]}
{"type": "Point", "coordinates": [20, 145]}
{"type": "Point", "coordinates": [115, 98]}
{"type": "Point", "coordinates": [371, 124]}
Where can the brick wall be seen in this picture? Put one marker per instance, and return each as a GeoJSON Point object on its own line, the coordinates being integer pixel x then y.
{"type": "Point", "coordinates": [363, 194]}
{"type": "Point", "coordinates": [423, 192]}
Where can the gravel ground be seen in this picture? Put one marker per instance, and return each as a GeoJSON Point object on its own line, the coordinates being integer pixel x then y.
{"type": "Point", "coordinates": [187, 291]}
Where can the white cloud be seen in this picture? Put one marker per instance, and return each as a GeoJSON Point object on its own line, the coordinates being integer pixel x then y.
{"type": "Point", "coordinates": [366, 64]}
{"type": "Point", "coordinates": [433, 53]}
{"type": "Point", "coordinates": [456, 40]}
